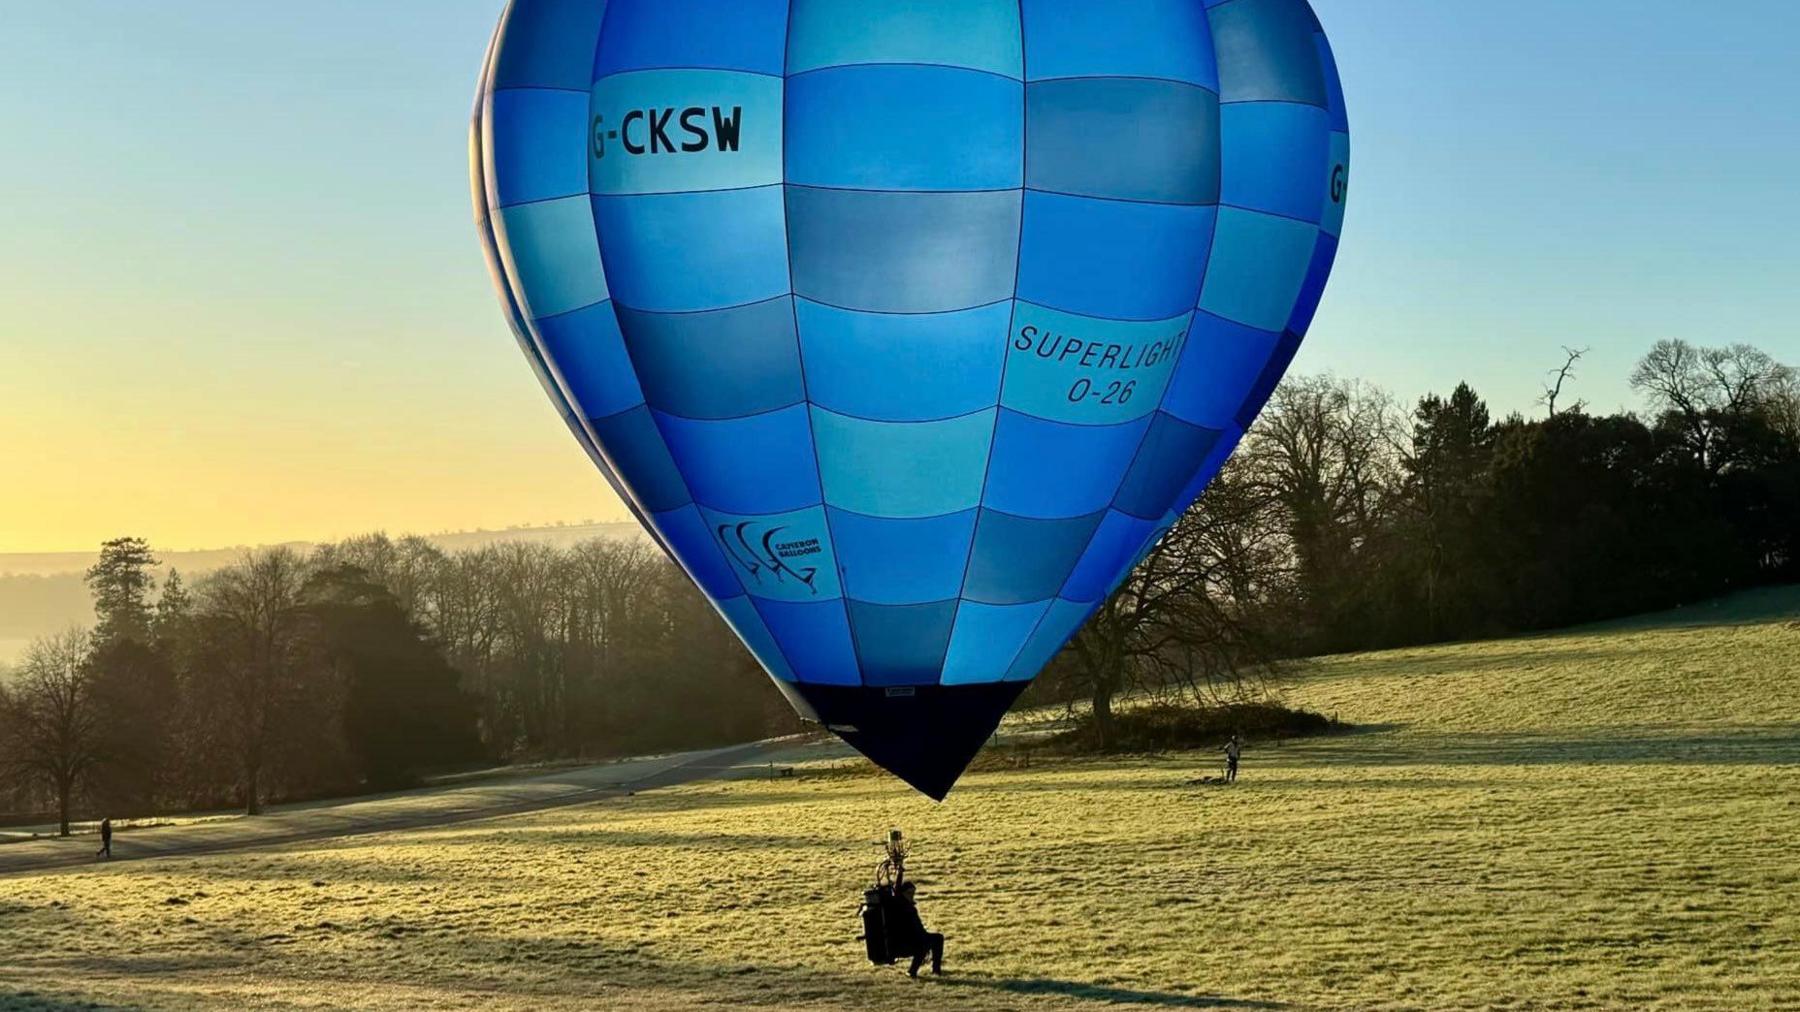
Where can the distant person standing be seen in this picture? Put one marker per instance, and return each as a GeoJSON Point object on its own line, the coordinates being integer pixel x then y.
{"type": "Point", "coordinates": [1233, 750]}
{"type": "Point", "coordinates": [105, 840]}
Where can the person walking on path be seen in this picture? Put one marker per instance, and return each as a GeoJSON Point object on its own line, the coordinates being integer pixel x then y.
{"type": "Point", "coordinates": [105, 840]}
{"type": "Point", "coordinates": [1233, 749]}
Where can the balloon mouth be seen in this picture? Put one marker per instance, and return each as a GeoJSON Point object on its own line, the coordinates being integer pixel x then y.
{"type": "Point", "coordinates": [927, 735]}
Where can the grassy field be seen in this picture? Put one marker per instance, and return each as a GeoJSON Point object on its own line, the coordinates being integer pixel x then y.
{"type": "Point", "coordinates": [1600, 819]}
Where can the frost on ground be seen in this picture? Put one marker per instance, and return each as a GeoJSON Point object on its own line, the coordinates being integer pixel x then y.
{"type": "Point", "coordinates": [1596, 820]}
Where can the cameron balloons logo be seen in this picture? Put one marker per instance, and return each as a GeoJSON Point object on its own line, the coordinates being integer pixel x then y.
{"type": "Point", "coordinates": [771, 552]}
{"type": "Point", "coordinates": [908, 328]}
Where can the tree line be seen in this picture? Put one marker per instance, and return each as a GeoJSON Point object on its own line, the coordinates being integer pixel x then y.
{"type": "Point", "coordinates": [1343, 523]}
{"type": "Point", "coordinates": [361, 666]}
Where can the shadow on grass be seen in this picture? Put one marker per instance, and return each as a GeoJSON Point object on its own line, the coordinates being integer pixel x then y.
{"type": "Point", "coordinates": [589, 964]}
{"type": "Point", "coordinates": [1459, 659]}
{"type": "Point", "coordinates": [1378, 745]}
{"type": "Point", "coordinates": [1773, 745]}
{"type": "Point", "coordinates": [77, 967]}
{"type": "Point", "coordinates": [1750, 607]}
{"type": "Point", "coordinates": [33, 1001]}
{"type": "Point", "coordinates": [1039, 987]}
{"type": "Point", "coordinates": [1761, 606]}
{"type": "Point", "coordinates": [336, 870]}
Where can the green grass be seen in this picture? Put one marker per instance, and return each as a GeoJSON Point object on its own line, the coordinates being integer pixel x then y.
{"type": "Point", "coordinates": [1604, 818]}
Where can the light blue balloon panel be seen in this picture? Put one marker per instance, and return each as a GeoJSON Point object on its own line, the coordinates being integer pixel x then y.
{"type": "Point", "coordinates": [908, 327]}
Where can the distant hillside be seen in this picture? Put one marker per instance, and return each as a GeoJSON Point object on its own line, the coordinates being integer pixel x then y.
{"type": "Point", "coordinates": [205, 560]}
{"type": "Point", "coordinates": [42, 592]}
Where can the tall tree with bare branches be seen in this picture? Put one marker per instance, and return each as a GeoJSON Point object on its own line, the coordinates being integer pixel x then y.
{"type": "Point", "coordinates": [1329, 449]}
{"type": "Point", "coordinates": [1704, 393]}
{"type": "Point", "coordinates": [253, 619]}
{"type": "Point", "coordinates": [50, 721]}
{"type": "Point", "coordinates": [1188, 623]}
{"type": "Point", "coordinates": [1559, 378]}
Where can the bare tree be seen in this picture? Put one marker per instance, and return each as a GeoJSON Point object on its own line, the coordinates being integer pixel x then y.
{"type": "Point", "coordinates": [532, 615]}
{"type": "Point", "coordinates": [1742, 377]}
{"type": "Point", "coordinates": [1560, 377]}
{"type": "Point", "coordinates": [1330, 450]}
{"type": "Point", "coordinates": [253, 617]}
{"type": "Point", "coordinates": [609, 584]}
{"type": "Point", "coordinates": [1184, 623]}
{"type": "Point", "coordinates": [1703, 390]}
{"type": "Point", "coordinates": [405, 567]}
{"type": "Point", "coordinates": [1782, 404]}
{"type": "Point", "coordinates": [51, 720]}
{"type": "Point", "coordinates": [1670, 375]}
{"type": "Point", "coordinates": [1330, 446]}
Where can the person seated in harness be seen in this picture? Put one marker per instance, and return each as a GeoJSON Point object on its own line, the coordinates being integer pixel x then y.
{"type": "Point", "coordinates": [906, 932]}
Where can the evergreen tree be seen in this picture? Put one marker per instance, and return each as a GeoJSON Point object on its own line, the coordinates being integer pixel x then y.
{"type": "Point", "coordinates": [121, 583]}
{"type": "Point", "coordinates": [1448, 468]}
{"type": "Point", "coordinates": [173, 608]}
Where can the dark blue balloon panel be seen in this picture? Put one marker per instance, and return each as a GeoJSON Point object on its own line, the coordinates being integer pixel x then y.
{"type": "Point", "coordinates": [908, 327]}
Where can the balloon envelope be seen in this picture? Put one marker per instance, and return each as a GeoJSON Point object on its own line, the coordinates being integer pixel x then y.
{"type": "Point", "coordinates": [907, 328]}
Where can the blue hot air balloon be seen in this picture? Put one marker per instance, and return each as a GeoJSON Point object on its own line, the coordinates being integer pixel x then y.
{"type": "Point", "coordinates": [908, 326]}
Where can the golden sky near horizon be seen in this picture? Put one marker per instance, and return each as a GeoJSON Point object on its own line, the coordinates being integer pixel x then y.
{"type": "Point", "coordinates": [258, 432]}
{"type": "Point", "coordinates": [241, 296]}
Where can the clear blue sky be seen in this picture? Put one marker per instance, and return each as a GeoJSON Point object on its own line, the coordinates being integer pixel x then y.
{"type": "Point", "coordinates": [241, 298]}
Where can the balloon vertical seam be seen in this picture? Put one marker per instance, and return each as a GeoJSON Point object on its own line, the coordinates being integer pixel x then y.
{"type": "Point", "coordinates": [1006, 358]}
{"type": "Point", "coordinates": [800, 352]}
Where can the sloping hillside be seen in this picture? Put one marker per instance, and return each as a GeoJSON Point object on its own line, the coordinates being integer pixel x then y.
{"type": "Point", "coordinates": [1601, 819]}
{"type": "Point", "coordinates": [1728, 664]}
